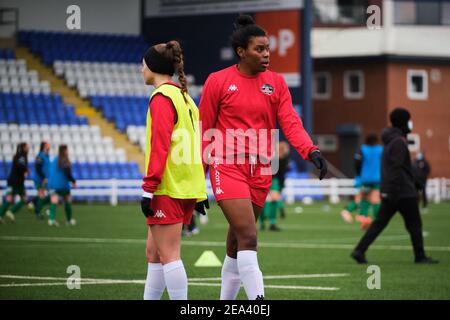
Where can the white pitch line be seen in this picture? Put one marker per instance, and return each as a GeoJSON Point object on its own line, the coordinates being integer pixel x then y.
{"type": "Point", "coordinates": [288, 276]}
{"type": "Point", "coordinates": [43, 284]}
{"type": "Point", "coordinates": [269, 286]}
{"type": "Point", "coordinates": [192, 282]}
{"type": "Point", "coordinates": [198, 284]}
{"type": "Point", "coordinates": [284, 245]}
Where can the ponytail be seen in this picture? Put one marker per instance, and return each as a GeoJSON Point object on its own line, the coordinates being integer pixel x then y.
{"type": "Point", "coordinates": [178, 63]}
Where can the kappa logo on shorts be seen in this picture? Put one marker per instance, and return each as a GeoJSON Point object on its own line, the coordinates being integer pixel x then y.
{"type": "Point", "coordinates": [159, 214]}
{"type": "Point", "coordinates": [219, 190]}
{"type": "Point", "coordinates": [267, 89]}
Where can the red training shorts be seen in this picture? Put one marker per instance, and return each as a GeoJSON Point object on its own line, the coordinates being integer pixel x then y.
{"type": "Point", "coordinates": [170, 210]}
{"type": "Point", "coordinates": [240, 181]}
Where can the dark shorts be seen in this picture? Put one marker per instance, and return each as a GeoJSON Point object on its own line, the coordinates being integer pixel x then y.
{"type": "Point", "coordinates": [60, 192]}
{"type": "Point", "coordinates": [15, 190]}
{"type": "Point", "coordinates": [368, 187]}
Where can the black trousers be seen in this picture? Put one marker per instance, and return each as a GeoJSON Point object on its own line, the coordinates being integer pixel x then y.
{"type": "Point", "coordinates": [409, 209]}
{"type": "Point", "coordinates": [423, 194]}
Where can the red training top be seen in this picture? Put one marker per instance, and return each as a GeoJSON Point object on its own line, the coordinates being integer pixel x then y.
{"type": "Point", "coordinates": [232, 100]}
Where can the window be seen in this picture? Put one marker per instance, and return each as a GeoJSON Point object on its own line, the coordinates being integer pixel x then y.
{"type": "Point", "coordinates": [446, 13]}
{"type": "Point", "coordinates": [429, 12]}
{"type": "Point", "coordinates": [326, 142]}
{"type": "Point", "coordinates": [404, 12]}
{"type": "Point", "coordinates": [322, 85]}
{"type": "Point", "coordinates": [413, 142]}
{"type": "Point", "coordinates": [354, 84]}
{"type": "Point", "coordinates": [417, 84]}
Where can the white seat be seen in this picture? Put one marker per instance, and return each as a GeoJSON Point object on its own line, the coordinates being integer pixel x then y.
{"type": "Point", "coordinates": [43, 127]}
{"type": "Point", "coordinates": [89, 150]}
{"type": "Point", "coordinates": [64, 128]}
{"type": "Point", "coordinates": [91, 158]}
{"type": "Point", "coordinates": [82, 158]}
{"type": "Point", "coordinates": [84, 128]}
{"type": "Point", "coordinates": [53, 129]}
{"type": "Point", "coordinates": [25, 136]}
{"type": "Point", "coordinates": [121, 155]}
{"type": "Point", "coordinates": [101, 158]}
{"type": "Point", "coordinates": [7, 149]}
{"type": "Point", "coordinates": [15, 137]}
{"type": "Point", "coordinates": [76, 138]}
{"type": "Point", "coordinates": [79, 149]}
{"type": "Point", "coordinates": [4, 136]}
{"type": "Point", "coordinates": [35, 139]}
{"type": "Point", "coordinates": [111, 158]}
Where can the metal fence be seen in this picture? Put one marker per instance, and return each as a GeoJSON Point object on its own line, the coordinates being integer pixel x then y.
{"type": "Point", "coordinates": [438, 189]}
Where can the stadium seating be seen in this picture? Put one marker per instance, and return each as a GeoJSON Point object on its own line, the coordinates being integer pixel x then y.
{"type": "Point", "coordinates": [29, 112]}
{"type": "Point", "coordinates": [15, 78]}
{"type": "Point", "coordinates": [117, 90]}
{"type": "Point", "coordinates": [95, 78]}
{"type": "Point", "coordinates": [88, 170]}
{"type": "Point", "coordinates": [30, 108]}
{"type": "Point", "coordinates": [65, 46]}
{"type": "Point", "coordinates": [7, 54]}
{"type": "Point", "coordinates": [137, 135]}
{"type": "Point", "coordinates": [103, 68]}
{"type": "Point", "coordinates": [85, 142]}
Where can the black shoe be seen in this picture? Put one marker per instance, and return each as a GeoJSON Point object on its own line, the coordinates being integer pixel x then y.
{"type": "Point", "coordinates": [359, 257]}
{"type": "Point", "coordinates": [274, 227]}
{"type": "Point", "coordinates": [426, 260]}
{"type": "Point", "coordinates": [260, 297]}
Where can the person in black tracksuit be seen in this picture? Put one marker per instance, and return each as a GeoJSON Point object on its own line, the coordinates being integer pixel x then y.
{"type": "Point", "coordinates": [398, 189]}
{"type": "Point", "coordinates": [422, 170]}
{"type": "Point", "coordinates": [16, 183]}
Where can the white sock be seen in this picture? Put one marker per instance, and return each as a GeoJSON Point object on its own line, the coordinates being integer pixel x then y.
{"type": "Point", "coordinates": [231, 283]}
{"type": "Point", "coordinates": [250, 274]}
{"type": "Point", "coordinates": [176, 280]}
{"type": "Point", "coordinates": [155, 283]}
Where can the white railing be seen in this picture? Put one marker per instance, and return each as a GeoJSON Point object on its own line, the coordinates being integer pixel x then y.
{"type": "Point", "coordinates": [438, 189]}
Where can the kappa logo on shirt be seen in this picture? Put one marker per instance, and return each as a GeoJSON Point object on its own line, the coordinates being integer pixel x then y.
{"type": "Point", "coordinates": [159, 214]}
{"type": "Point", "coordinates": [267, 89]}
{"type": "Point", "coordinates": [232, 88]}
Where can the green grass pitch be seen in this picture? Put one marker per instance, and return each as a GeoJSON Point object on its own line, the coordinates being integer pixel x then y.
{"type": "Point", "coordinates": [308, 259]}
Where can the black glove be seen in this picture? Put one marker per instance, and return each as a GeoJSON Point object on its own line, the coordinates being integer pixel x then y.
{"type": "Point", "coordinates": [319, 162]}
{"type": "Point", "coordinates": [200, 206]}
{"type": "Point", "coordinates": [146, 207]}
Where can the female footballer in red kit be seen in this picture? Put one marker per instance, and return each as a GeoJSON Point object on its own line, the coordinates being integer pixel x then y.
{"type": "Point", "coordinates": [242, 97]}
{"type": "Point", "coordinates": [172, 186]}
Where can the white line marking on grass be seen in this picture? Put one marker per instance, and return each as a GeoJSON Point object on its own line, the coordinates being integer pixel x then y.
{"type": "Point", "coordinates": [43, 284]}
{"type": "Point", "coordinates": [269, 286]}
{"type": "Point", "coordinates": [287, 276]}
{"type": "Point", "coordinates": [69, 239]}
{"type": "Point", "coordinates": [284, 245]}
{"type": "Point", "coordinates": [192, 282]}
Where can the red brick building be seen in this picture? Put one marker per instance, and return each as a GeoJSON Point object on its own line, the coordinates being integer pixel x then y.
{"type": "Point", "coordinates": [360, 75]}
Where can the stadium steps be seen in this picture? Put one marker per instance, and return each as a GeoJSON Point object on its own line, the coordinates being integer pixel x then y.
{"type": "Point", "coordinates": [82, 107]}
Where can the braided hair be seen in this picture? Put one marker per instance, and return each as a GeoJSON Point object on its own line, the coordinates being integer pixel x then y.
{"type": "Point", "coordinates": [173, 52]}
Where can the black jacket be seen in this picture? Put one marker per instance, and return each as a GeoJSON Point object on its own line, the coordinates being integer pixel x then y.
{"type": "Point", "coordinates": [19, 169]}
{"type": "Point", "coordinates": [397, 178]}
{"type": "Point", "coordinates": [422, 170]}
